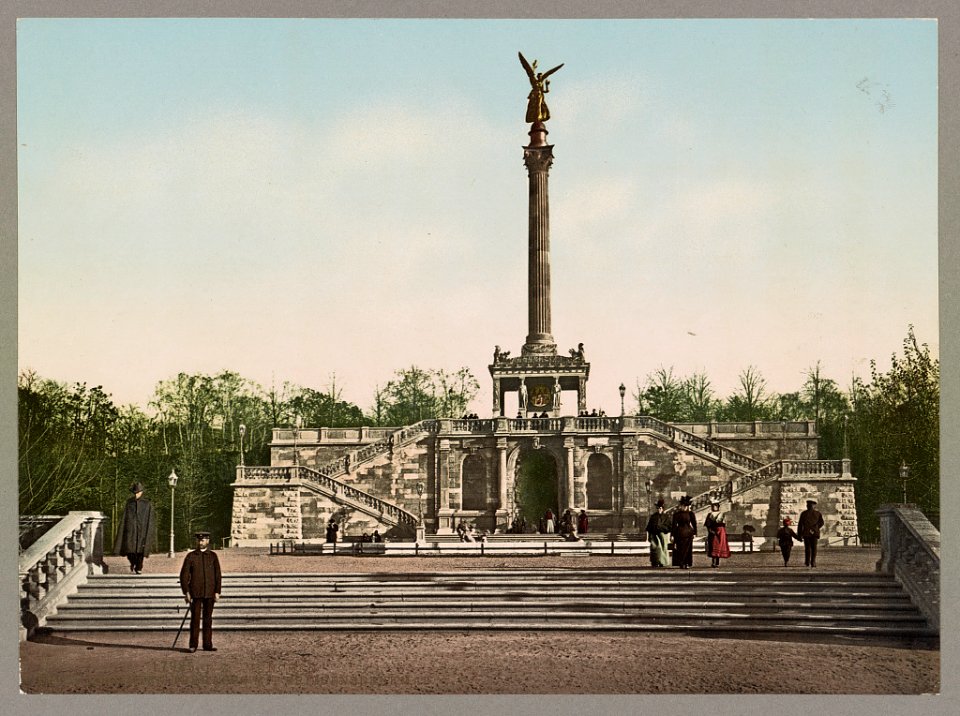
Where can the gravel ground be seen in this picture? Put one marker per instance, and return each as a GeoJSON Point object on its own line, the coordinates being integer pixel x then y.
{"type": "Point", "coordinates": [448, 662]}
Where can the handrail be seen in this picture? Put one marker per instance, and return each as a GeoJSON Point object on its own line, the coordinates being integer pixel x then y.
{"type": "Point", "coordinates": [360, 499]}
{"type": "Point", "coordinates": [678, 435]}
{"type": "Point", "coordinates": [764, 474]}
{"type": "Point", "coordinates": [910, 551]}
{"type": "Point", "coordinates": [53, 566]}
{"type": "Point", "coordinates": [342, 465]}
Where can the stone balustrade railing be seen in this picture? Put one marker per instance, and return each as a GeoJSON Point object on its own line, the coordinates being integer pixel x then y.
{"type": "Point", "coordinates": [910, 552]}
{"type": "Point", "coordinates": [688, 439]}
{"type": "Point", "coordinates": [56, 564]}
{"type": "Point", "coordinates": [347, 494]}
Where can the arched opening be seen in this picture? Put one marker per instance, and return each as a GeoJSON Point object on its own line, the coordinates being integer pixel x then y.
{"type": "Point", "coordinates": [477, 489]}
{"type": "Point", "coordinates": [535, 486]}
{"type": "Point", "coordinates": [599, 482]}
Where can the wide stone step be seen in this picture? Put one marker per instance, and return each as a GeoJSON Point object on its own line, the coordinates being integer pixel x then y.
{"type": "Point", "coordinates": [731, 627]}
{"type": "Point", "coordinates": [785, 602]}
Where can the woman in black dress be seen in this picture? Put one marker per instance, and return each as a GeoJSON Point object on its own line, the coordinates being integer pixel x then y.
{"type": "Point", "coordinates": [683, 530]}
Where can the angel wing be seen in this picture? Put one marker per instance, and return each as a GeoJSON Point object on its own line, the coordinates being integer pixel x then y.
{"type": "Point", "coordinates": [550, 72]}
{"type": "Point", "coordinates": [526, 66]}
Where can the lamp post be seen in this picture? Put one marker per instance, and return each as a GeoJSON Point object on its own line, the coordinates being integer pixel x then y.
{"type": "Point", "coordinates": [421, 528]}
{"type": "Point", "coordinates": [297, 422]}
{"type": "Point", "coordinates": [904, 476]}
{"type": "Point", "coordinates": [243, 431]}
{"type": "Point", "coordinates": [623, 392]}
{"type": "Point", "coordinates": [172, 481]}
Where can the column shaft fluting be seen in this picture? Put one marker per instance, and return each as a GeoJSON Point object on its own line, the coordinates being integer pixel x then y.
{"type": "Point", "coordinates": [538, 161]}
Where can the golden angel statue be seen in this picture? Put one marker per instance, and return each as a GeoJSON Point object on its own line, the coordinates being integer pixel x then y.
{"type": "Point", "coordinates": [536, 106]}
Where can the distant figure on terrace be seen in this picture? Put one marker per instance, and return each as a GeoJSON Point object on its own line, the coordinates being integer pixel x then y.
{"type": "Point", "coordinates": [683, 529]}
{"type": "Point", "coordinates": [377, 537]}
{"type": "Point", "coordinates": [137, 534]}
{"type": "Point", "coordinates": [583, 522]}
{"type": "Point", "coordinates": [658, 527]}
{"type": "Point", "coordinates": [548, 524]}
{"type": "Point", "coordinates": [332, 529]}
{"type": "Point", "coordinates": [462, 531]}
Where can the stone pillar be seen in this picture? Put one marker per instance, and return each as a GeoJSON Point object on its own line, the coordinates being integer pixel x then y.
{"type": "Point", "coordinates": [569, 450]}
{"type": "Point", "coordinates": [444, 513]}
{"type": "Point", "coordinates": [502, 471]}
{"type": "Point", "coordinates": [538, 157]}
{"type": "Point", "coordinates": [582, 396]}
{"type": "Point", "coordinates": [497, 398]}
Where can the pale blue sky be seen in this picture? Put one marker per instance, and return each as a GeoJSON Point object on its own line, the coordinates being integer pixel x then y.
{"type": "Point", "coordinates": [294, 198]}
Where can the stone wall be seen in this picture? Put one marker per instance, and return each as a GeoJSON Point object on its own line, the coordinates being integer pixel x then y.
{"type": "Point", "coordinates": [265, 511]}
{"type": "Point", "coordinates": [636, 456]}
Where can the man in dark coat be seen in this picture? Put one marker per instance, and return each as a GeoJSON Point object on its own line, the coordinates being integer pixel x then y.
{"type": "Point", "coordinates": [137, 533]}
{"type": "Point", "coordinates": [809, 528]}
{"type": "Point", "coordinates": [200, 583]}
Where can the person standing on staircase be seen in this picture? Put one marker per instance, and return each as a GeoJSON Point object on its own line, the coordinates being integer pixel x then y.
{"type": "Point", "coordinates": [137, 534]}
{"type": "Point", "coordinates": [200, 582]}
{"type": "Point", "coordinates": [658, 527]}
{"type": "Point", "coordinates": [809, 528]}
{"type": "Point", "coordinates": [712, 520]}
{"type": "Point", "coordinates": [683, 529]}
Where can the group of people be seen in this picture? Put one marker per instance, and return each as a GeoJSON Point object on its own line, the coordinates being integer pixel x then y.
{"type": "Point", "coordinates": [808, 532]}
{"type": "Point", "coordinates": [592, 413]}
{"type": "Point", "coordinates": [200, 577]}
{"type": "Point", "coordinates": [671, 536]}
{"type": "Point", "coordinates": [470, 416]}
{"type": "Point", "coordinates": [532, 417]}
{"type": "Point", "coordinates": [469, 533]}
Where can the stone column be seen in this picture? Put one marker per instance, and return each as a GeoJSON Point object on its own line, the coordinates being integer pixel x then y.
{"type": "Point", "coordinates": [538, 157]}
{"type": "Point", "coordinates": [582, 396]}
{"type": "Point", "coordinates": [502, 471]}
{"type": "Point", "coordinates": [570, 454]}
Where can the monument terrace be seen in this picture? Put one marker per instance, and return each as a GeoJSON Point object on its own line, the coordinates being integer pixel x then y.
{"type": "Point", "coordinates": [544, 453]}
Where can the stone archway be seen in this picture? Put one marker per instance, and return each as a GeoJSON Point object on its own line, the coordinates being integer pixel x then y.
{"type": "Point", "coordinates": [536, 485]}
{"type": "Point", "coordinates": [599, 482]}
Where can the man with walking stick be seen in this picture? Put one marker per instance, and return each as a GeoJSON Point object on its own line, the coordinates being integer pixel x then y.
{"type": "Point", "coordinates": [200, 583]}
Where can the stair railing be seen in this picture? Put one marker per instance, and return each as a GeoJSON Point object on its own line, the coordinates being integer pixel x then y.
{"type": "Point", "coordinates": [910, 552]}
{"type": "Point", "coordinates": [56, 564]}
{"type": "Point", "coordinates": [681, 437]}
{"type": "Point", "coordinates": [343, 465]}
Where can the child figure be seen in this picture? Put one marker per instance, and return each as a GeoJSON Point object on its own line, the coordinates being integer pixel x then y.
{"type": "Point", "coordinates": [785, 536]}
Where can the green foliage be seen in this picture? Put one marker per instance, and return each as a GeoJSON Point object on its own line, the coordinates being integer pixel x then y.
{"type": "Point", "coordinates": [415, 394]}
{"type": "Point", "coordinates": [895, 420]}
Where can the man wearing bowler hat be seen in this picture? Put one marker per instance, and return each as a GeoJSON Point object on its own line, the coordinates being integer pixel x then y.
{"type": "Point", "coordinates": [137, 533]}
{"type": "Point", "coordinates": [200, 583]}
{"type": "Point", "coordinates": [809, 528]}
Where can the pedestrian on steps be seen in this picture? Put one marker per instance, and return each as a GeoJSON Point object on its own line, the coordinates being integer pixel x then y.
{"type": "Point", "coordinates": [811, 521]}
{"type": "Point", "coordinates": [785, 538]}
{"type": "Point", "coordinates": [137, 534]}
{"type": "Point", "coordinates": [200, 580]}
{"type": "Point", "coordinates": [658, 527]}
{"type": "Point", "coordinates": [683, 530]}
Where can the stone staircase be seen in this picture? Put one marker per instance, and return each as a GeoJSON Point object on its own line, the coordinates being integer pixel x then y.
{"type": "Point", "coordinates": [786, 604]}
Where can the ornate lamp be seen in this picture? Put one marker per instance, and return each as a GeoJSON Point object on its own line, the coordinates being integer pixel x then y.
{"type": "Point", "coordinates": [172, 481]}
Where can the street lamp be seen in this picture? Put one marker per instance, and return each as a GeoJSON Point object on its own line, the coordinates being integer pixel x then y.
{"type": "Point", "coordinates": [623, 392]}
{"type": "Point", "coordinates": [421, 529]}
{"type": "Point", "coordinates": [172, 481]}
{"type": "Point", "coordinates": [904, 476]}
{"type": "Point", "coordinates": [243, 431]}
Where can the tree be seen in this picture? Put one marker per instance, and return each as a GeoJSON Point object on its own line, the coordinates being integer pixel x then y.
{"type": "Point", "coordinates": [663, 396]}
{"type": "Point", "coordinates": [895, 420]}
{"type": "Point", "coordinates": [751, 401]}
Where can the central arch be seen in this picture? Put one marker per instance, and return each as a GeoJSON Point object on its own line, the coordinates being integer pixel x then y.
{"type": "Point", "coordinates": [536, 485]}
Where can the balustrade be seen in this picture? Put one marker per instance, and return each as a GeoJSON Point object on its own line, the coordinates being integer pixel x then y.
{"type": "Point", "coordinates": [910, 552]}
{"type": "Point", "coordinates": [53, 566]}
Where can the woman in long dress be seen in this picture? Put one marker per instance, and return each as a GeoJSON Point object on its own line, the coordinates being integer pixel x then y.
{"type": "Point", "coordinates": [683, 530]}
{"type": "Point", "coordinates": [658, 527]}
